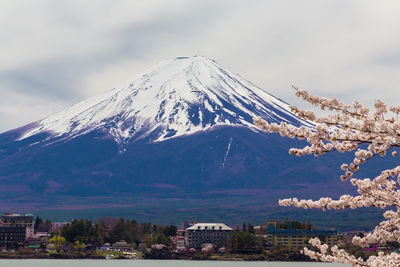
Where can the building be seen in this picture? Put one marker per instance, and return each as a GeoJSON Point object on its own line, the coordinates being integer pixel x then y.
{"type": "Point", "coordinates": [207, 233]}
{"type": "Point", "coordinates": [295, 240]}
{"type": "Point", "coordinates": [180, 242]}
{"type": "Point", "coordinates": [33, 243]}
{"type": "Point", "coordinates": [42, 235]}
{"type": "Point", "coordinates": [12, 237]}
{"type": "Point", "coordinates": [16, 220]}
{"type": "Point", "coordinates": [122, 246]}
{"type": "Point", "coordinates": [38, 241]}
{"type": "Point", "coordinates": [57, 226]}
{"type": "Point", "coordinates": [106, 247]}
{"type": "Point", "coordinates": [15, 229]}
{"type": "Point", "coordinates": [187, 224]}
{"type": "Point", "coordinates": [180, 232]}
{"type": "Point", "coordinates": [179, 239]}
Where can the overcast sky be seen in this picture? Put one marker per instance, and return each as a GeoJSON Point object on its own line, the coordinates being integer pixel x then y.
{"type": "Point", "coordinates": [56, 53]}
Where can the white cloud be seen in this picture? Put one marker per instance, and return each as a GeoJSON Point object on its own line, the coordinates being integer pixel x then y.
{"type": "Point", "coordinates": [55, 53]}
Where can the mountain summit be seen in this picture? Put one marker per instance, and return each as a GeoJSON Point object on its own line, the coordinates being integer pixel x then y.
{"type": "Point", "coordinates": [176, 97]}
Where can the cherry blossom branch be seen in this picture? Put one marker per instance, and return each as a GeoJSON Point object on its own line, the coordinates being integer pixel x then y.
{"type": "Point", "coordinates": [347, 130]}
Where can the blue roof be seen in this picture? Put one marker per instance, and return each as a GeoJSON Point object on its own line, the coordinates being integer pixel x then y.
{"type": "Point", "coordinates": [302, 232]}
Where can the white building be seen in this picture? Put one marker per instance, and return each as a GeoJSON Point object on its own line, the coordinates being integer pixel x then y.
{"type": "Point", "coordinates": [207, 233]}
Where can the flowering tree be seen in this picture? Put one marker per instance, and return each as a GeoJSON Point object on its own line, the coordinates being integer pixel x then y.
{"type": "Point", "coordinates": [351, 128]}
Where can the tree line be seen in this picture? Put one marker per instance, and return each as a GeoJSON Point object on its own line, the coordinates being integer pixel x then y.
{"type": "Point", "coordinates": [110, 230]}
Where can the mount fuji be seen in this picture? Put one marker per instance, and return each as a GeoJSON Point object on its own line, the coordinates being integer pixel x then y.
{"type": "Point", "coordinates": [177, 140]}
{"type": "Point", "coordinates": [177, 97]}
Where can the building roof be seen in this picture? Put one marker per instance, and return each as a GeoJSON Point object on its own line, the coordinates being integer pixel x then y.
{"type": "Point", "coordinates": [272, 230]}
{"type": "Point", "coordinates": [302, 232]}
{"type": "Point", "coordinates": [210, 226]}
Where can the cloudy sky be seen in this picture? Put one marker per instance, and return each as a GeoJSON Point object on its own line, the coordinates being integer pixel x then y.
{"type": "Point", "coordinates": [55, 53]}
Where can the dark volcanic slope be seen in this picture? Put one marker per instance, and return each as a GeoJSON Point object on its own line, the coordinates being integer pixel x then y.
{"type": "Point", "coordinates": [222, 159]}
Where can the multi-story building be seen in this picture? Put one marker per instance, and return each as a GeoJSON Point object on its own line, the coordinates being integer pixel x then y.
{"type": "Point", "coordinates": [12, 237]}
{"type": "Point", "coordinates": [179, 240]}
{"type": "Point", "coordinates": [15, 229]}
{"type": "Point", "coordinates": [207, 233]}
{"type": "Point", "coordinates": [16, 220]}
{"type": "Point", "coordinates": [294, 240]}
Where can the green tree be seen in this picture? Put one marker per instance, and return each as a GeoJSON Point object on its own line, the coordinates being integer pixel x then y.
{"type": "Point", "coordinates": [43, 243]}
{"type": "Point", "coordinates": [80, 230]}
{"type": "Point", "coordinates": [38, 221]}
{"type": "Point", "coordinates": [78, 247]}
{"type": "Point", "coordinates": [243, 242]}
{"type": "Point", "coordinates": [160, 239]}
{"type": "Point", "coordinates": [146, 228]}
{"type": "Point", "coordinates": [119, 232]}
{"type": "Point", "coordinates": [44, 226]}
{"type": "Point", "coordinates": [103, 230]}
{"type": "Point", "coordinates": [250, 228]}
{"type": "Point", "coordinates": [58, 242]}
{"type": "Point", "coordinates": [170, 230]}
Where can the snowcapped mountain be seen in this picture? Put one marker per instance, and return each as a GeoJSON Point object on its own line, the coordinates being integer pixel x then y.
{"type": "Point", "coordinates": [176, 97]}
{"type": "Point", "coordinates": [178, 136]}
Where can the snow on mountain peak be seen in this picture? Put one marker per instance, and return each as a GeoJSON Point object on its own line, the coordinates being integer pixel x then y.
{"type": "Point", "coordinates": [176, 97]}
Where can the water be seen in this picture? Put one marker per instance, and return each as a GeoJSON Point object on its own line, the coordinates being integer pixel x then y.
{"type": "Point", "coordinates": [157, 263]}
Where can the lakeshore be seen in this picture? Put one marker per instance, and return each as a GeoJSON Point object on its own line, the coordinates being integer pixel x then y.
{"type": "Point", "coordinates": [156, 255]}
{"type": "Point", "coordinates": [157, 263]}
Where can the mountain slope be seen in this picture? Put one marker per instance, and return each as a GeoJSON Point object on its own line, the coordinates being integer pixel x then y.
{"type": "Point", "coordinates": [176, 97]}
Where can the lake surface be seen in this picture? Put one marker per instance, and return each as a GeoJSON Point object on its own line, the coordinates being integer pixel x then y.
{"type": "Point", "coordinates": [157, 263]}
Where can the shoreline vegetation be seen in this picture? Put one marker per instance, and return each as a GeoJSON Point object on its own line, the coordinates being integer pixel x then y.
{"type": "Point", "coordinates": [159, 255]}
{"type": "Point", "coordinates": [117, 238]}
